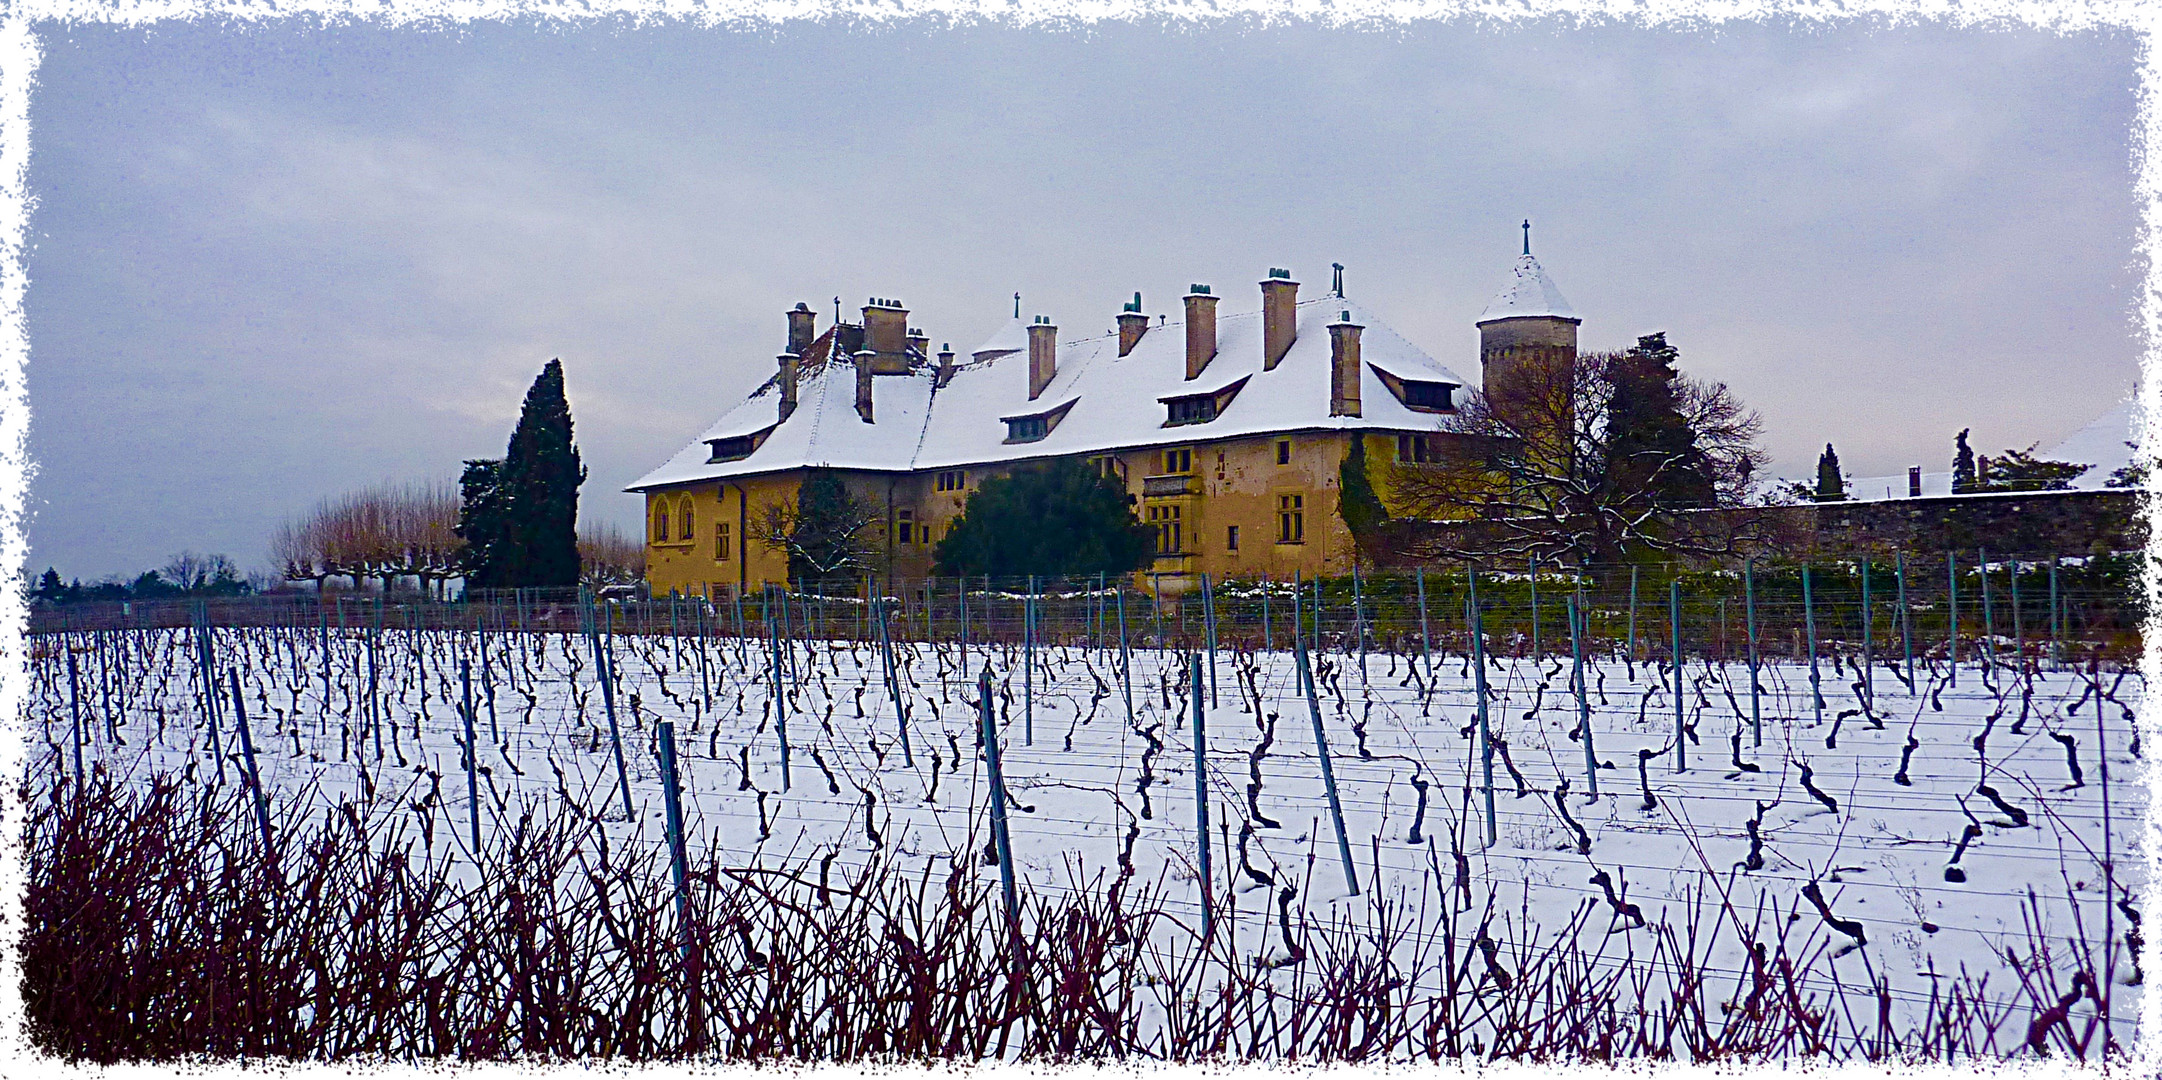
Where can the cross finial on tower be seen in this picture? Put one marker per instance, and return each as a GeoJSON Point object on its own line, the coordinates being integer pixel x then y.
{"type": "Point", "coordinates": [1527, 236]}
{"type": "Point", "coordinates": [1017, 305]}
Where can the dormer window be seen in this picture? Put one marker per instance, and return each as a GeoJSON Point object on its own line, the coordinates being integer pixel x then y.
{"type": "Point", "coordinates": [1199, 408]}
{"type": "Point", "coordinates": [736, 447]}
{"type": "Point", "coordinates": [1192, 410]}
{"type": "Point", "coordinates": [1428, 395]}
{"type": "Point", "coordinates": [1033, 427]}
{"type": "Point", "coordinates": [732, 449]}
{"type": "Point", "coordinates": [1419, 395]}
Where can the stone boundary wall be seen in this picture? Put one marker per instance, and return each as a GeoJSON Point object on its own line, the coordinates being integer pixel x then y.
{"type": "Point", "coordinates": [2029, 525]}
{"type": "Point", "coordinates": [2034, 524]}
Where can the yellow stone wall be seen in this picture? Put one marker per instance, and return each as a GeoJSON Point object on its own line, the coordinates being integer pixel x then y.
{"type": "Point", "coordinates": [689, 566]}
{"type": "Point", "coordinates": [1233, 483]}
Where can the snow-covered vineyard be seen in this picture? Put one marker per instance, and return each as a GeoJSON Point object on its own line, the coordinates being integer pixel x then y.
{"type": "Point", "coordinates": [1892, 842]}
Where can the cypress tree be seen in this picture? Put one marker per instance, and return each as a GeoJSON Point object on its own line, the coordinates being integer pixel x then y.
{"type": "Point", "coordinates": [481, 522]}
{"type": "Point", "coordinates": [1356, 503]}
{"type": "Point", "coordinates": [1963, 474]}
{"type": "Point", "coordinates": [1650, 445]}
{"type": "Point", "coordinates": [1831, 486]}
{"type": "Point", "coordinates": [520, 514]}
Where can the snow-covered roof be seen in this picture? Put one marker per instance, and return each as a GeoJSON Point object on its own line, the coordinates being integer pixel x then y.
{"type": "Point", "coordinates": [1529, 293]}
{"type": "Point", "coordinates": [2102, 445]}
{"type": "Point", "coordinates": [824, 430]}
{"type": "Point", "coordinates": [2105, 443]}
{"type": "Point", "coordinates": [1012, 337]}
{"type": "Point", "coordinates": [1116, 401]}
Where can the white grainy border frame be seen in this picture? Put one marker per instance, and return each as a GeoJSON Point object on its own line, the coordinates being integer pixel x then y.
{"type": "Point", "coordinates": [20, 53]}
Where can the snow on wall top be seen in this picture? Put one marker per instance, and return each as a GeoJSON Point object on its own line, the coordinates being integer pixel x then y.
{"type": "Point", "coordinates": [1116, 401]}
{"type": "Point", "coordinates": [1529, 293]}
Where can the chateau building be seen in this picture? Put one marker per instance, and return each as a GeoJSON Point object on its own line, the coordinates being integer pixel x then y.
{"type": "Point", "coordinates": [1228, 428]}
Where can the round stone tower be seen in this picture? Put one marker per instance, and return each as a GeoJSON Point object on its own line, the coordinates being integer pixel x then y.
{"type": "Point", "coordinates": [1527, 339]}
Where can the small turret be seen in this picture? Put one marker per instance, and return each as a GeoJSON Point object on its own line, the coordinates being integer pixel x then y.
{"type": "Point", "coordinates": [1527, 334]}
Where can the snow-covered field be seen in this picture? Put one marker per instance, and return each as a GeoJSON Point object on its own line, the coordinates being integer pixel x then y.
{"type": "Point", "coordinates": [1913, 832]}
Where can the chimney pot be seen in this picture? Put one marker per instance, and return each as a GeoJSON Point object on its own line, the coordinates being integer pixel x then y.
{"type": "Point", "coordinates": [789, 362]}
{"type": "Point", "coordinates": [801, 331]}
{"type": "Point", "coordinates": [1042, 355]}
{"type": "Point", "coordinates": [864, 357]}
{"type": "Point", "coordinates": [1132, 325]}
{"type": "Point", "coordinates": [1200, 330]}
{"type": "Point", "coordinates": [885, 332]}
{"type": "Point", "coordinates": [945, 366]}
{"type": "Point", "coordinates": [1279, 317]}
{"type": "Point", "coordinates": [1344, 367]}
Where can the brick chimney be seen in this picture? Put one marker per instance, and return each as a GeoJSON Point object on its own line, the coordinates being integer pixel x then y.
{"type": "Point", "coordinates": [801, 331]}
{"type": "Point", "coordinates": [1200, 330]}
{"type": "Point", "coordinates": [885, 332]}
{"type": "Point", "coordinates": [945, 365]}
{"type": "Point", "coordinates": [1279, 317]}
{"type": "Point", "coordinates": [885, 326]}
{"type": "Point", "coordinates": [1132, 324]}
{"type": "Point", "coordinates": [1042, 355]}
{"type": "Point", "coordinates": [919, 343]}
{"type": "Point", "coordinates": [1344, 366]}
{"type": "Point", "coordinates": [864, 358]}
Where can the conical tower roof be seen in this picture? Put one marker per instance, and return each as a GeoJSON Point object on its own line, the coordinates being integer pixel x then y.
{"type": "Point", "coordinates": [1012, 337]}
{"type": "Point", "coordinates": [1528, 293]}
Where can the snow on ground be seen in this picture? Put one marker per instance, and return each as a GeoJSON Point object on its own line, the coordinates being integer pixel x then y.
{"type": "Point", "coordinates": [1086, 780]}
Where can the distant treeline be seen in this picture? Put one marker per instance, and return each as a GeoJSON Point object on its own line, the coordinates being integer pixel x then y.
{"type": "Point", "coordinates": [187, 574]}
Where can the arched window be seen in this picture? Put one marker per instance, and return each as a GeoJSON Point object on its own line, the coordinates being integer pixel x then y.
{"type": "Point", "coordinates": [660, 522]}
{"type": "Point", "coordinates": [687, 532]}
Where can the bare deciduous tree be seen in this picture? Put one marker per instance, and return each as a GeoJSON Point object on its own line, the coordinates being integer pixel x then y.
{"type": "Point", "coordinates": [194, 573]}
{"type": "Point", "coordinates": [826, 531]}
{"type": "Point", "coordinates": [1538, 468]}
{"type": "Point", "coordinates": [606, 556]}
{"type": "Point", "coordinates": [385, 532]}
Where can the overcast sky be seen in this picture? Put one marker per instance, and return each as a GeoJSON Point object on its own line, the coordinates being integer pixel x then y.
{"type": "Point", "coordinates": [273, 264]}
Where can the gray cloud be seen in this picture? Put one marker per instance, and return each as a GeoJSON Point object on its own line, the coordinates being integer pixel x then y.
{"type": "Point", "coordinates": [275, 263]}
